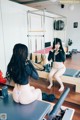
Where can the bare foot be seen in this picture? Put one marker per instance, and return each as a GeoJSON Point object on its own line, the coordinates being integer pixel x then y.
{"type": "Point", "coordinates": [61, 89]}
{"type": "Point", "coordinates": [49, 87]}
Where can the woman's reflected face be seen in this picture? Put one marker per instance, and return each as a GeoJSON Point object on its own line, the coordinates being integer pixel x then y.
{"type": "Point", "coordinates": [57, 46]}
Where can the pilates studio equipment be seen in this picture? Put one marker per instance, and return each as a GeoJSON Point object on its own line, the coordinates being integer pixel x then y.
{"type": "Point", "coordinates": [38, 34]}
{"type": "Point", "coordinates": [14, 111]}
{"type": "Point", "coordinates": [71, 72]}
{"type": "Point", "coordinates": [65, 79]}
{"type": "Point", "coordinates": [36, 110]}
{"type": "Point", "coordinates": [58, 112]}
{"type": "Point", "coordinates": [53, 115]}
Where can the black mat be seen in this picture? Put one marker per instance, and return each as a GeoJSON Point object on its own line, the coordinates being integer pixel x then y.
{"type": "Point", "coordinates": [71, 72]}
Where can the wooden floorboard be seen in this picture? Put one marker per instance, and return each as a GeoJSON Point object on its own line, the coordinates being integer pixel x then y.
{"type": "Point", "coordinates": [72, 97]}
{"type": "Point", "coordinates": [73, 62]}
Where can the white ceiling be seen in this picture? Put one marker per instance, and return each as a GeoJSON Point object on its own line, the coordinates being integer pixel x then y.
{"type": "Point", "coordinates": [43, 4]}
{"type": "Point", "coordinates": [53, 1]}
{"type": "Point", "coordinates": [54, 7]}
{"type": "Point", "coordinates": [40, 4]}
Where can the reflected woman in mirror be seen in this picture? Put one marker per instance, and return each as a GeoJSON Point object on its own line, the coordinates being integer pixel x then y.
{"type": "Point", "coordinates": [57, 55]}
{"type": "Point", "coordinates": [20, 70]}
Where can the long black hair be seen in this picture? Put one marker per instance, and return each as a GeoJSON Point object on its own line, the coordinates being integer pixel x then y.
{"type": "Point", "coordinates": [56, 41]}
{"type": "Point", "coordinates": [16, 67]}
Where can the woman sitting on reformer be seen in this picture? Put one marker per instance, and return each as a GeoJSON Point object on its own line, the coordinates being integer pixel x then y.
{"type": "Point", "coordinates": [20, 70]}
{"type": "Point", "coordinates": [57, 55]}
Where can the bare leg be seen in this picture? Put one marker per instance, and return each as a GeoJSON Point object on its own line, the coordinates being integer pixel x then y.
{"type": "Point", "coordinates": [57, 77]}
{"type": "Point", "coordinates": [60, 82]}
{"type": "Point", "coordinates": [51, 74]}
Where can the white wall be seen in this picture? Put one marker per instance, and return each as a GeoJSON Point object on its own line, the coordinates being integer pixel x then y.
{"type": "Point", "coordinates": [2, 55]}
{"type": "Point", "coordinates": [49, 29]}
{"type": "Point", "coordinates": [13, 29]}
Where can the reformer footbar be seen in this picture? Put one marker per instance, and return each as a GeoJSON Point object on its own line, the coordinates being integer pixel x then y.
{"type": "Point", "coordinates": [57, 106]}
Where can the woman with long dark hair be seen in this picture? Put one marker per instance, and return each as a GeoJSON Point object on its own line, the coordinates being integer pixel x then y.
{"type": "Point", "coordinates": [20, 69]}
{"type": "Point", "coordinates": [57, 55]}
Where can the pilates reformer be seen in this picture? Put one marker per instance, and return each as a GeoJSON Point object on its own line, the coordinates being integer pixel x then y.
{"type": "Point", "coordinates": [66, 78]}
{"type": "Point", "coordinates": [57, 113]}
{"type": "Point", "coordinates": [38, 110]}
{"type": "Point", "coordinates": [71, 76]}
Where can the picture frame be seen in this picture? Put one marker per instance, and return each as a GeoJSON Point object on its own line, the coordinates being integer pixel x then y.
{"type": "Point", "coordinates": [75, 25]}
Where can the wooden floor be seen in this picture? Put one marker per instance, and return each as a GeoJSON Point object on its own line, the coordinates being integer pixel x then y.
{"type": "Point", "coordinates": [73, 62]}
{"type": "Point", "coordinates": [73, 98]}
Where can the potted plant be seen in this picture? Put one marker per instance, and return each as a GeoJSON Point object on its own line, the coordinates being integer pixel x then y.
{"type": "Point", "coordinates": [70, 42]}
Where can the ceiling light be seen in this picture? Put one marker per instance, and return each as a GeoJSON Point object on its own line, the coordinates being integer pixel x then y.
{"type": "Point", "coordinates": [53, 0]}
{"type": "Point", "coordinates": [71, 7]}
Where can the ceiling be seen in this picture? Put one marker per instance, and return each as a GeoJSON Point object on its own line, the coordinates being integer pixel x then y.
{"type": "Point", "coordinates": [53, 1]}
{"type": "Point", "coordinates": [48, 4]}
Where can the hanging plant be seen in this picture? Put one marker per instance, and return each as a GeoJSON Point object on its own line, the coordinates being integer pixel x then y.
{"type": "Point", "coordinates": [70, 42]}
